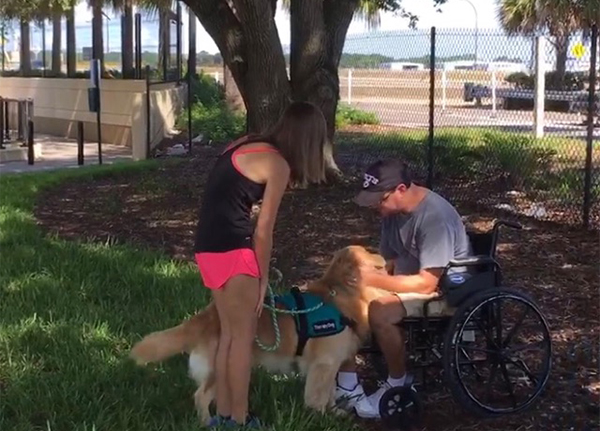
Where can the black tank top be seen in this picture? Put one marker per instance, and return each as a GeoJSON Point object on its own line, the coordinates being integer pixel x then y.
{"type": "Point", "coordinates": [224, 219]}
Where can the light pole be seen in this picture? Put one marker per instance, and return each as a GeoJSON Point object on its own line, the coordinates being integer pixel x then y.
{"type": "Point", "coordinates": [476, 30]}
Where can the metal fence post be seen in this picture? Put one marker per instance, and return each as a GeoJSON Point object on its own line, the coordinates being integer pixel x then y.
{"type": "Point", "coordinates": [178, 40]}
{"type": "Point", "coordinates": [1, 122]}
{"type": "Point", "coordinates": [147, 111]}
{"type": "Point", "coordinates": [30, 153]}
{"type": "Point", "coordinates": [431, 110]}
{"type": "Point", "coordinates": [80, 143]}
{"type": "Point", "coordinates": [189, 107]}
{"type": "Point", "coordinates": [138, 45]}
{"type": "Point", "coordinates": [587, 188]}
{"type": "Point", "coordinates": [20, 125]}
{"type": "Point", "coordinates": [6, 120]}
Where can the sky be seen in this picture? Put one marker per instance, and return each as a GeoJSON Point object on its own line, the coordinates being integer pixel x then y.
{"type": "Point", "coordinates": [455, 25]}
{"type": "Point", "coordinates": [455, 14]}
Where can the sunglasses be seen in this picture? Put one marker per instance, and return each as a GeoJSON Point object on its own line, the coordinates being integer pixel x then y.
{"type": "Point", "coordinates": [386, 195]}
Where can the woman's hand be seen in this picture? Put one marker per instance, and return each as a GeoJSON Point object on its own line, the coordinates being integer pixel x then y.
{"type": "Point", "coordinates": [261, 295]}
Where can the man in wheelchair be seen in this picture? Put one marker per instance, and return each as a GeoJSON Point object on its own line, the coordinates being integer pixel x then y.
{"type": "Point", "coordinates": [420, 233]}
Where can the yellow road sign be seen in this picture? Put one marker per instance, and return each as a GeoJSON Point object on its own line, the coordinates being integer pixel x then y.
{"type": "Point", "coordinates": [578, 50]}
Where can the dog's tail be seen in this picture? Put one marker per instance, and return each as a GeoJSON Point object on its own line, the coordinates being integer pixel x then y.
{"type": "Point", "coordinates": [161, 345]}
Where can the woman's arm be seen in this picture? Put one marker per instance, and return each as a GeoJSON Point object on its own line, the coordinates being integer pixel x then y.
{"type": "Point", "coordinates": [278, 173]}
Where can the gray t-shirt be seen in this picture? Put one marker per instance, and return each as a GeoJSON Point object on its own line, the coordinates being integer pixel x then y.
{"type": "Point", "coordinates": [428, 237]}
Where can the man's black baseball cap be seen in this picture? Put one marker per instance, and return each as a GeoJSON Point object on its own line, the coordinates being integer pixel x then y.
{"type": "Point", "coordinates": [380, 178]}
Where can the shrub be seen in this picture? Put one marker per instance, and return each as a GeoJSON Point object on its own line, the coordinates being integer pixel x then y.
{"type": "Point", "coordinates": [519, 159]}
{"type": "Point", "coordinates": [207, 91]}
{"type": "Point", "coordinates": [210, 114]}
{"type": "Point", "coordinates": [347, 115]}
{"type": "Point", "coordinates": [572, 81]}
{"type": "Point", "coordinates": [456, 155]}
{"type": "Point", "coordinates": [217, 122]}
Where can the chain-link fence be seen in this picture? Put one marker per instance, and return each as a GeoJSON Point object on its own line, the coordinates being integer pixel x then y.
{"type": "Point", "coordinates": [460, 106]}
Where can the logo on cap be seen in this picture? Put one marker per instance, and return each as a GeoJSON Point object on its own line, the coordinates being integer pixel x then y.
{"type": "Point", "coordinates": [369, 179]}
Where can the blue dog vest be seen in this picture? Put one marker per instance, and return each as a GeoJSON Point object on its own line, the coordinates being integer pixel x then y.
{"type": "Point", "coordinates": [322, 322]}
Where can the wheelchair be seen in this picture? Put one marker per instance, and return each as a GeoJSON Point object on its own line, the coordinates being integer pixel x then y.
{"type": "Point", "coordinates": [481, 335]}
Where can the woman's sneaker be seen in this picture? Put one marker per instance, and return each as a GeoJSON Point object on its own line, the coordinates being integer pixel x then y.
{"type": "Point", "coordinates": [218, 421]}
{"type": "Point", "coordinates": [252, 422]}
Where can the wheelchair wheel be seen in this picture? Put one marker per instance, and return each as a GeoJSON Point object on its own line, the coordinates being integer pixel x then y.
{"type": "Point", "coordinates": [400, 408]}
{"type": "Point", "coordinates": [497, 353]}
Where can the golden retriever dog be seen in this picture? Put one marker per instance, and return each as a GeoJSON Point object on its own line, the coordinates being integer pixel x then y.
{"type": "Point", "coordinates": [321, 358]}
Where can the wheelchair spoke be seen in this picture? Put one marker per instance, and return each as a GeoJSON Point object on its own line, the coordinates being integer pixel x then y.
{"type": "Point", "coordinates": [486, 334]}
{"type": "Point", "coordinates": [498, 323]}
{"type": "Point", "coordinates": [500, 326]}
{"type": "Point", "coordinates": [509, 385]}
{"type": "Point", "coordinates": [514, 329]}
{"type": "Point", "coordinates": [488, 386]}
{"type": "Point", "coordinates": [520, 364]}
{"type": "Point", "coordinates": [476, 349]}
{"type": "Point", "coordinates": [471, 363]}
{"type": "Point", "coordinates": [537, 347]}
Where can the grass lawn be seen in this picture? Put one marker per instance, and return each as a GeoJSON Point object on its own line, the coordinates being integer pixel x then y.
{"type": "Point", "coordinates": [69, 313]}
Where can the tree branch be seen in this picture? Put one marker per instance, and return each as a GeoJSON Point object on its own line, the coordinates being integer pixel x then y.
{"type": "Point", "coordinates": [269, 90]}
{"type": "Point", "coordinates": [220, 22]}
{"type": "Point", "coordinates": [338, 15]}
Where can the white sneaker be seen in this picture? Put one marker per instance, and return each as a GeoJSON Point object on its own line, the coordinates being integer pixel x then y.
{"type": "Point", "coordinates": [368, 407]}
{"type": "Point", "coordinates": [347, 398]}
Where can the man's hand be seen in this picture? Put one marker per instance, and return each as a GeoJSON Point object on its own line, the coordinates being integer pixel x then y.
{"type": "Point", "coordinates": [425, 281]}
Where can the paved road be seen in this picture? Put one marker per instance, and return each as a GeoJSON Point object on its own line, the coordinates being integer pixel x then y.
{"type": "Point", "coordinates": [416, 115]}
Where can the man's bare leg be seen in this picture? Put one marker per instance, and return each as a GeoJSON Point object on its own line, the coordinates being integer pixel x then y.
{"type": "Point", "coordinates": [384, 316]}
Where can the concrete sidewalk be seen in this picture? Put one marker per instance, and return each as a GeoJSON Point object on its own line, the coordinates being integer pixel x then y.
{"type": "Point", "coordinates": [59, 153]}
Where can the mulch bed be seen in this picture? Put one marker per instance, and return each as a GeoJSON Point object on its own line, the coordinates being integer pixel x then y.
{"type": "Point", "coordinates": [555, 264]}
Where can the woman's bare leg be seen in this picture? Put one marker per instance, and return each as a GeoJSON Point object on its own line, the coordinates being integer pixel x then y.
{"type": "Point", "coordinates": [223, 394]}
{"type": "Point", "coordinates": [240, 296]}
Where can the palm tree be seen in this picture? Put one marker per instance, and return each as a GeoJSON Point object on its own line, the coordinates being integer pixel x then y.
{"type": "Point", "coordinates": [24, 12]}
{"type": "Point", "coordinates": [559, 17]}
{"type": "Point", "coordinates": [127, 39]}
{"type": "Point", "coordinates": [56, 41]}
{"type": "Point", "coordinates": [71, 43]}
{"type": "Point", "coordinates": [55, 10]}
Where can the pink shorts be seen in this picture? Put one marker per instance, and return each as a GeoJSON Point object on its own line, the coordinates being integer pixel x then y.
{"type": "Point", "coordinates": [217, 268]}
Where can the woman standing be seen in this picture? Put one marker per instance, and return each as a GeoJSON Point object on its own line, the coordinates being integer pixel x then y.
{"type": "Point", "coordinates": [232, 255]}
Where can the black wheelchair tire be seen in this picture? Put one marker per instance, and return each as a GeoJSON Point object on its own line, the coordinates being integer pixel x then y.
{"type": "Point", "coordinates": [456, 387]}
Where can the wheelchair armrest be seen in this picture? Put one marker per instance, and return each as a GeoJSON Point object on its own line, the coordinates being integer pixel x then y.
{"type": "Point", "coordinates": [472, 261]}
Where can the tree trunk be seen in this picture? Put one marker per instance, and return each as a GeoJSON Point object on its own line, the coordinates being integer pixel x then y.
{"type": "Point", "coordinates": [71, 46]}
{"type": "Point", "coordinates": [25, 49]}
{"type": "Point", "coordinates": [164, 43]}
{"type": "Point", "coordinates": [318, 32]}
{"type": "Point", "coordinates": [247, 38]}
{"type": "Point", "coordinates": [562, 53]}
{"type": "Point", "coordinates": [56, 43]}
{"type": "Point", "coordinates": [127, 41]}
{"type": "Point", "coordinates": [97, 37]}
{"type": "Point", "coordinates": [250, 46]}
